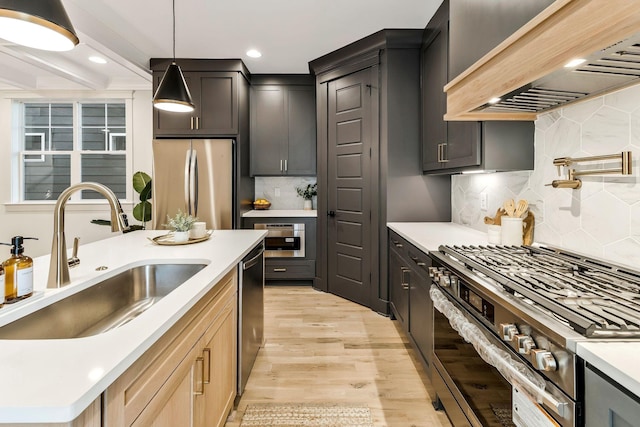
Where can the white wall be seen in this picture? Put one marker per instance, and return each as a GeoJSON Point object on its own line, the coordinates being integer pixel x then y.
{"type": "Point", "coordinates": [603, 217]}
{"type": "Point", "coordinates": [265, 187]}
{"type": "Point", "coordinates": [37, 220]}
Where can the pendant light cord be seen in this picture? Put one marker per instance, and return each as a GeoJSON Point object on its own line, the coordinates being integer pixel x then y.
{"type": "Point", "coordinates": [174, 30]}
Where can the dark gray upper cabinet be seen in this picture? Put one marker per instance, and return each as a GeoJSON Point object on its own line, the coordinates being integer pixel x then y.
{"type": "Point", "coordinates": [213, 86]}
{"type": "Point", "coordinates": [283, 125]}
{"type": "Point", "coordinates": [451, 147]}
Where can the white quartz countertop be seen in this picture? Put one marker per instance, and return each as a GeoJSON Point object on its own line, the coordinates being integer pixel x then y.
{"type": "Point", "coordinates": [429, 235]}
{"type": "Point", "coordinates": [281, 213]}
{"type": "Point", "coordinates": [55, 380]}
{"type": "Point", "coordinates": [617, 359]}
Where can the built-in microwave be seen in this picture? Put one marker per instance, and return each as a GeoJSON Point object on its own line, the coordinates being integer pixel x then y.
{"type": "Point", "coordinates": [283, 240]}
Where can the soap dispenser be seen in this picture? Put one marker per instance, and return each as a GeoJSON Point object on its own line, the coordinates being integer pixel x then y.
{"type": "Point", "coordinates": [1, 285]}
{"type": "Point", "coordinates": [18, 271]}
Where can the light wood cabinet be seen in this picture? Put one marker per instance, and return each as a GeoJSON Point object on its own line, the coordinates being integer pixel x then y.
{"type": "Point", "coordinates": [189, 376]}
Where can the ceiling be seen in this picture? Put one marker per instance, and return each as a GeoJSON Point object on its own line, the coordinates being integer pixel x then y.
{"type": "Point", "coordinates": [127, 33]}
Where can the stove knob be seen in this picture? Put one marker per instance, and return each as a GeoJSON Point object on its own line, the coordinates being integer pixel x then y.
{"type": "Point", "coordinates": [444, 280]}
{"type": "Point", "coordinates": [525, 344]}
{"type": "Point", "coordinates": [509, 330]}
{"type": "Point", "coordinates": [432, 271]}
{"type": "Point", "coordinates": [545, 361]}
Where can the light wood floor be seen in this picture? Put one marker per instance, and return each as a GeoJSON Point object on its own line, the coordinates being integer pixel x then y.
{"type": "Point", "coordinates": [323, 349]}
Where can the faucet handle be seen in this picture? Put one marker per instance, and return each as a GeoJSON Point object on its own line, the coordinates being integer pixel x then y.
{"type": "Point", "coordinates": [74, 260]}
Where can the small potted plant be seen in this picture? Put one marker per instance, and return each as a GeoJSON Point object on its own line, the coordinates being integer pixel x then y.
{"type": "Point", "coordinates": [181, 224]}
{"type": "Point", "coordinates": [142, 186]}
{"type": "Point", "coordinates": [307, 193]}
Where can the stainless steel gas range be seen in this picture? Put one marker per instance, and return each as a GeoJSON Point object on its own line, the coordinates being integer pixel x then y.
{"type": "Point", "coordinates": [506, 324]}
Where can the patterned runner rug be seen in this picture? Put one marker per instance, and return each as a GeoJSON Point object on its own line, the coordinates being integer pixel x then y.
{"type": "Point", "coordinates": [306, 415]}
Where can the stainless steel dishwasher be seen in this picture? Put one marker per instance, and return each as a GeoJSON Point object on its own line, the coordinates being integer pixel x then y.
{"type": "Point", "coordinates": [250, 312]}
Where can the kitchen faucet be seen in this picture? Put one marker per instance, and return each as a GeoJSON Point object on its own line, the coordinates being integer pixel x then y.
{"type": "Point", "coordinates": [59, 267]}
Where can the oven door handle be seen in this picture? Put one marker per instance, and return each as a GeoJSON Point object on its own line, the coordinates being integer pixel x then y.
{"type": "Point", "coordinates": [515, 372]}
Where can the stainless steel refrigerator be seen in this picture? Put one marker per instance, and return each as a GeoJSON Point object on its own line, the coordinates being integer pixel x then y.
{"type": "Point", "coordinates": [194, 176]}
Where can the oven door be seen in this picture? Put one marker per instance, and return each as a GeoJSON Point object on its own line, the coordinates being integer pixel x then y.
{"type": "Point", "coordinates": [283, 240]}
{"type": "Point", "coordinates": [481, 382]}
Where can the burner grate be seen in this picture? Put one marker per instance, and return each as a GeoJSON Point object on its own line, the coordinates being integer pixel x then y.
{"type": "Point", "coordinates": [595, 298]}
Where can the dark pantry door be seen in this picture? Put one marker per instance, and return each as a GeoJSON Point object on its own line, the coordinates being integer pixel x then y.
{"type": "Point", "coordinates": [349, 187]}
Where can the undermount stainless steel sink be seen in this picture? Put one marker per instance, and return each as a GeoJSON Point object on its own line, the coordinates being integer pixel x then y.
{"type": "Point", "coordinates": [104, 306]}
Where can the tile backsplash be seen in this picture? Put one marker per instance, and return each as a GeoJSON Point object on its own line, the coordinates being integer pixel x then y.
{"type": "Point", "coordinates": [600, 219]}
{"type": "Point", "coordinates": [267, 187]}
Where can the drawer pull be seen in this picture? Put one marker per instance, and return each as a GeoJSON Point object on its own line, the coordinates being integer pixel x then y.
{"type": "Point", "coordinates": [206, 378]}
{"type": "Point", "coordinates": [404, 283]}
{"type": "Point", "coordinates": [279, 270]}
{"type": "Point", "coordinates": [418, 262]}
{"type": "Point", "coordinates": [200, 390]}
{"type": "Point", "coordinates": [397, 243]}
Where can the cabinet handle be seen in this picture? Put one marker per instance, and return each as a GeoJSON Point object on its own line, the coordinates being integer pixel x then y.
{"type": "Point", "coordinates": [285, 165]}
{"type": "Point", "coordinates": [206, 378]}
{"type": "Point", "coordinates": [197, 122]}
{"type": "Point", "coordinates": [396, 243]}
{"type": "Point", "coordinates": [404, 283]}
{"type": "Point", "coordinates": [199, 392]}
{"type": "Point", "coordinates": [281, 170]}
{"type": "Point", "coordinates": [191, 122]}
{"type": "Point", "coordinates": [417, 261]}
{"type": "Point", "coordinates": [444, 153]}
{"type": "Point", "coordinates": [279, 270]}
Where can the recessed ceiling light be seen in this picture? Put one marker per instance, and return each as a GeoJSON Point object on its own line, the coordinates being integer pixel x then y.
{"type": "Point", "coordinates": [494, 100]}
{"type": "Point", "coordinates": [252, 53]}
{"type": "Point", "coordinates": [574, 62]}
{"type": "Point", "coordinates": [97, 59]}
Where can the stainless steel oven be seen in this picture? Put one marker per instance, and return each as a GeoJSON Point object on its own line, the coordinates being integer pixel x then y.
{"type": "Point", "coordinates": [285, 240]}
{"type": "Point", "coordinates": [485, 371]}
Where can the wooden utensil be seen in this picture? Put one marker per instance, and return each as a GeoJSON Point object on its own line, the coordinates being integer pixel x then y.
{"type": "Point", "coordinates": [509, 206]}
{"type": "Point", "coordinates": [521, 209]}
{"type": "Point", "coordinates": [527, 238]}
{"type": "Point", "coordinates": [497, 220]}
{"type": "Point", "coordinates": [488, 220]}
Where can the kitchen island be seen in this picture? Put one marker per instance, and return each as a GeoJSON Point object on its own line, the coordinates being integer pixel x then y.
{"type": "Point", "coordinates": [54, 381]}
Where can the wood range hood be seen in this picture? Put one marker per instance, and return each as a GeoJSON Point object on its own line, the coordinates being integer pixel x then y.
{"type": "Point", "coordinates": [527, 71]}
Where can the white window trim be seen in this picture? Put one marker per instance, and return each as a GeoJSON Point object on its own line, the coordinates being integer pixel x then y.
{"type": "Point", "coordinates": [17, 204]}
{"type": "Point", "coordinates": [42, 139]}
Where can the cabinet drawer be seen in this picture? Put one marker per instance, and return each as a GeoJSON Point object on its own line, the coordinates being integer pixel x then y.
{"type": "Point", "coordinates": [289, 269]}
{"type": "Point", "coordinates": [420, 261]}
{"type": "Point", "coordinates": [415, 258]}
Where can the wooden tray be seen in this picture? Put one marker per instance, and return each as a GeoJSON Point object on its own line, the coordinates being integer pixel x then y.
{"type": "Point", "coordinates": [167, 239]}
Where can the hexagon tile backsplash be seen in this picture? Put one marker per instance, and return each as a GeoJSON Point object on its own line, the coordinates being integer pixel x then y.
{"type": "Point", "coordinates": [602, 218]}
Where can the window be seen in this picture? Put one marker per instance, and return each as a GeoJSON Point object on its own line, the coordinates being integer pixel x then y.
{"type": "Point", "coordinates": [69, 142]}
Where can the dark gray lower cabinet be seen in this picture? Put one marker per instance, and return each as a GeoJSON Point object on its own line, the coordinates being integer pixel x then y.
{"type": "Point", "coordinates": [409, 298]}
{"type": "Point", "coordinates": [398, 286]}
{"type": "Point", "coordinates": [607, 404]}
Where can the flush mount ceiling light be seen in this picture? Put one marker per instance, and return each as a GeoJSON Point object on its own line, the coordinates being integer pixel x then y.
{"type": "Point", "coordinates": [252, 53]}
{"type": "Point", "coordinates": [173, 93]}
{"type": "Point", "coordinates": [37, 23]}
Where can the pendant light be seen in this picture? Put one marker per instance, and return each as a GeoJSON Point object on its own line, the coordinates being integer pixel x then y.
{"type": "Point", "coordinates": [41, 24]}
{"type": "Point", "coordinates": [173, 93]}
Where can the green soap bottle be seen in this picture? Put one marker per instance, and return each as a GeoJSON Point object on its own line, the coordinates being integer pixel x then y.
{"type": "Point", "coordinates": [18, 271]}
